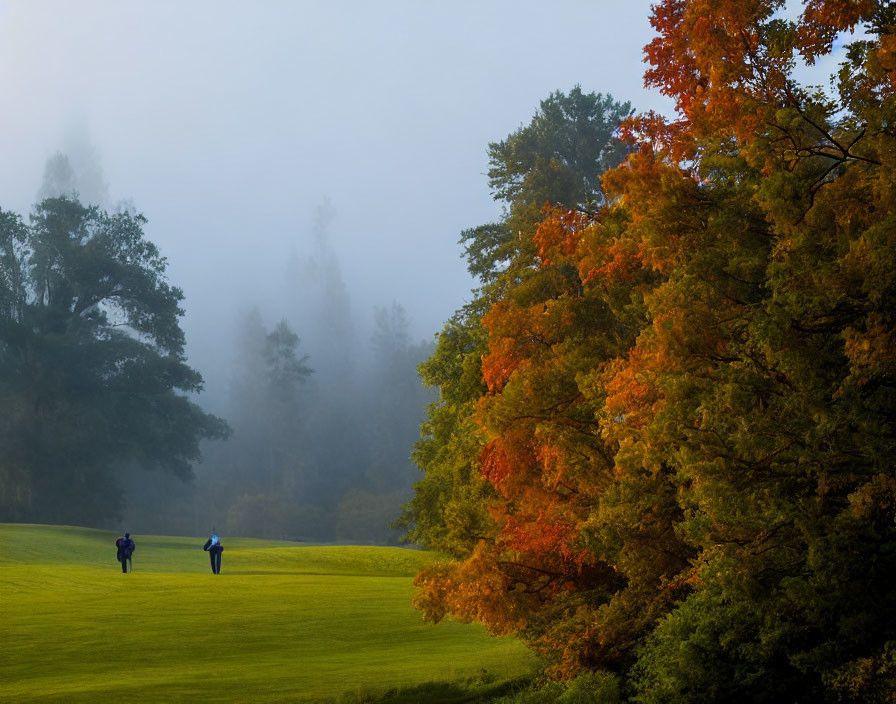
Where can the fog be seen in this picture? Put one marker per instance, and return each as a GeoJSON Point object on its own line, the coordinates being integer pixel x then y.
{"type": "Point", "coordinates": [307, 169]}
{"type": "Point", "coordinates": [229, 125]}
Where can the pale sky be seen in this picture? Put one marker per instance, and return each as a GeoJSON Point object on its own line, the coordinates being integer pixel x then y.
{"type": "Point", "coordinates": [226, 123]}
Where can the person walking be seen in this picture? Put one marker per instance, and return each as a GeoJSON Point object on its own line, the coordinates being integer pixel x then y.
{"type": "Point", "coordinates": [126, 548]}
{"type": "Point", "coordinates": [214, 549]}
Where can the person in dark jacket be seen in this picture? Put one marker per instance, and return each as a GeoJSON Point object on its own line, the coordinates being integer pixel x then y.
{"type": "Point", "coordinates": [126, 547]}
{"type": "Point", "coordinates": [214, 548]}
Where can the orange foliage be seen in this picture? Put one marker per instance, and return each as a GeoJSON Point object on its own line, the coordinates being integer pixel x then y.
{"type": "Point", "coordinates": [518, 334]}
{"type": "Point", "coordinates": [885, 59]}
{"type": "Point", "coordinates": [559, 233]}
{"type": "Point", "coordinates": [473, 590]}
{"type": "Point", "coordinates": [726, 72]}
{"type": "Point", "coordinates": [662, 201]}
{"type": "Point", "coordinates": [500, 363]}
{"type": "Point", "coordinates": [576, 416]}
{"type": "Point", "coordinates": [493, 463]}
{"type": "Point", "coordinates": [872, 351]}
{"type": "Point", "coordinates": [577, 238]}
{"type": "Point", "coordinates": [705, 58]}
{"type": "Point", "coordinates": [630, 394]}
{"type": "Point", "coordinates": [546, 537]}
{"type": "Point", "coordinates": [651, 133]}
{"type": "Point", "coordinates": [823, 19]}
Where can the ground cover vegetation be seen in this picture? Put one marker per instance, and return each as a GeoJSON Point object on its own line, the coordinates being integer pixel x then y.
{"type": "Point", "coordinates": [282, 622]}
{"type": "Point", "coordinates": [663, 449]}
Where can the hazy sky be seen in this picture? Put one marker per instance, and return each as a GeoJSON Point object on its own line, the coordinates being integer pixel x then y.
{"type": "Point", "coordinates": [226, 123]}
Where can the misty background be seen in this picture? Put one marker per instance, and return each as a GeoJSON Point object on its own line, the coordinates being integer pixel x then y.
{"type": "Point", "coordinates": [306, 168]}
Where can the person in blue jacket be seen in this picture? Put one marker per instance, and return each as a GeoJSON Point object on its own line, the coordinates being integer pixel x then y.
{"type": "Point", "coordinates": [126, 547]}
{"type": "Point", "coordinates": [214, 548]}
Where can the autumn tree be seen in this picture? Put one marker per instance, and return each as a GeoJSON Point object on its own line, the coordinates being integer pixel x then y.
{"type": "Point", "coordinates": [556, 158]}
{"type": "Point", "coordinates": [768, 376]}
{"type": "Point", "coordinates": [687, 405]}
{"type": "Point", "coordinates": [512, 453]}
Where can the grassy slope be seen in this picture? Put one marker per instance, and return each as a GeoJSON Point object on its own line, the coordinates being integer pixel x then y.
{"type": "Point", "coordinates": [281, 623]}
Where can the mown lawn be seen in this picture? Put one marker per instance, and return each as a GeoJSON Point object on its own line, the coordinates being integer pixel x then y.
{"type": "Point", "coordinates": [283, 622]}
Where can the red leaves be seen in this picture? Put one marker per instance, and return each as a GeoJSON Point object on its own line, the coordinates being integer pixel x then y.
{"type": "Point", "coordinates": [727, 63]}
{"type": "Point", "coordinates": [652, 134]}
{"type": "Point", "coordinates": [500, 363]}
{"type": "Point", "coordinates": [675, 69]}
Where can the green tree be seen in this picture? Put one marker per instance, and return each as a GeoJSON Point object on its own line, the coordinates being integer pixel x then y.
{"type": "Point", "coordinates": [92, 368]}
{"type": "Point", "coordinates": [397, 402]}
{"type": "Point", "coordinates": [448, 511]}
{"type": "Point", "coordinates": [556, 159]}
{"type": "Point", "coordinates": [560, 155]}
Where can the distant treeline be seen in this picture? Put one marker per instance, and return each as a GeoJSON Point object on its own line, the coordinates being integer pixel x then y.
{"type": "Point", "coordinates": [323, 421]}
{"type": "Point", "coordinates": [321, 456]}
{"type": "Point", "coordinates": [95, 390]}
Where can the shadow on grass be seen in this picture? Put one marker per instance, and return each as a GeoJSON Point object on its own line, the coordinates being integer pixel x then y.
{"type": "Point", "coordinates": [476, 690]}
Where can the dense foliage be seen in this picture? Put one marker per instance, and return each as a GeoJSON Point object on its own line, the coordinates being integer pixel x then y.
{"type": "Point", "coordinates": [92, 370]}
{"type": "Point", "coordinates": [665, 442]}
{"type": "Point", "coordinates": [572, 139]}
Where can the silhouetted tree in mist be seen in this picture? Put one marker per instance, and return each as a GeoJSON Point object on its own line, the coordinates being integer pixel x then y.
{"type": "Point", "coordinates": [93, 376]}
{"type": "Point", "coordinates": [75, 173]}
{"type": "Point", "coordinates": [258, 478]}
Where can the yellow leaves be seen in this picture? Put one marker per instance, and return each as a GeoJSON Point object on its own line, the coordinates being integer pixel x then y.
{"type": "Point", "coordinates": [883, 61]}
{"type": "Point", "coordinates": [877, 496]}
{"type": "Point", "coordinates": [872, 351]}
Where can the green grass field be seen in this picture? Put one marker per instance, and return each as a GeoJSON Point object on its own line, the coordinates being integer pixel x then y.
{"type": "Point", "coordinates": [282, 622]}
